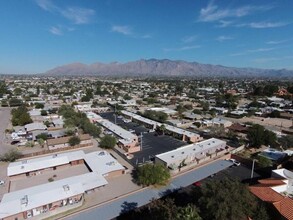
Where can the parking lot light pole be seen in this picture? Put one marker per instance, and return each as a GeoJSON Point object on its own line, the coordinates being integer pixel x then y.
{"type": "Point", "coordinates": [252, 169]}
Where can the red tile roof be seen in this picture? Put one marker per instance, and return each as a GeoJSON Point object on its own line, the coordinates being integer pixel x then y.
{"type": "Point", "coordinates": [266, 194]}
{"type": "Point", "coordinates": [285, 207]}
{"type": "Point", "coordinates": [271, 182]}
{"type": "Point", "coordinates": [263, 191]}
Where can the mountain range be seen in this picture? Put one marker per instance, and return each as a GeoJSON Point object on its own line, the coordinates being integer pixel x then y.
{"type": "Point", "coordinates": [163, 67]}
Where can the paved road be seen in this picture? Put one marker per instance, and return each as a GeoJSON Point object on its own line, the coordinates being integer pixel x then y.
{"type": "Point", "coordinates": [4, 121]}
{"type": "Point", "coordinates": [115, 208]}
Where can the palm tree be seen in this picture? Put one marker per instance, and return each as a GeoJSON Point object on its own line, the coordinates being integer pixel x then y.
{"type": "Point", "coordinates": [189, 212]}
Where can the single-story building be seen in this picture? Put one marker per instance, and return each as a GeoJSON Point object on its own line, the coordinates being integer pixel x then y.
{"type": "Point", "coordinates": [192, 153]}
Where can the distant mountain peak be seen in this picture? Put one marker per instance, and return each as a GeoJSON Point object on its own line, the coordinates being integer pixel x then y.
{"type": "Point", "coordinates": [163, 67]}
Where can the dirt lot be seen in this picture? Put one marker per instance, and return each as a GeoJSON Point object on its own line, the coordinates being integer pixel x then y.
{"type": "Point", "coordinates": [27, 182]}
{"type": "Point", "coordinates": [279, 122]}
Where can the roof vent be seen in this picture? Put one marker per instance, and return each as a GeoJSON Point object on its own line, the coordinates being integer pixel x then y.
{"type": "Point", "coordinates": [102, 153]}
{"type": "Point", "coordinates": [66, 187]}
{"type": "Point", "coordinates": [24, 201]}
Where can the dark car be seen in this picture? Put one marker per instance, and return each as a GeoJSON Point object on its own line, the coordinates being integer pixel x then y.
{"type": "Point", "coordinates": [14, 142]}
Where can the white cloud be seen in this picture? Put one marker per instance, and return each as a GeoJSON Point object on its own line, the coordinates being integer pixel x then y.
{"type": "Point", "coordinates": [213, 13]}
{"type": "Point", "coordinates": [182, 48]}
{"type": "Point", "coordinates": [263, 24]}
{"type": "Point", "coordinates": [56, 30]}
{"type": "Point", "coordinates": [253, 51]}
{"type": "Point", "coordinates": [78, 15]}
{"type": "Point", "coordinates": [189, 39]}
{"type": "Point", "coordinates": [126, 30]}
{"type": "Point", "coordinates": [224, 23]}
{"type": "Point", "coordinates": [224, 38]}
{"type": "Point", "coordinates": [277, 41]}
{"type": "Point", "coordinates": [46, 5]}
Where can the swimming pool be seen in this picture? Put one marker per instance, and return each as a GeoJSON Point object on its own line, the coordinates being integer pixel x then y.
{"type": "Point", "coordinates": [273, 154]}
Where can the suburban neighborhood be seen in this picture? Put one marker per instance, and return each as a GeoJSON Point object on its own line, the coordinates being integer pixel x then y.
{"type": "Point", "coordinates": [70, 145]}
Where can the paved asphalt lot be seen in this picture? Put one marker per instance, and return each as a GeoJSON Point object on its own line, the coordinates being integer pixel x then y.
{"type": "Point", "coordinates": [113, 209]}
{"type": "Point", "coordinates": [151, 144]}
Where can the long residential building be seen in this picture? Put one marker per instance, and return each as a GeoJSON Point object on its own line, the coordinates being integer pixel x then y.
{"type": "Point", "coordinates": [36, 200]}
{"type": "Point", "coordinates": [127, 141]}
{"type": "Point", "coordinates": [192, 153]}
{"type": "Point", "coordinates": [180, 133]}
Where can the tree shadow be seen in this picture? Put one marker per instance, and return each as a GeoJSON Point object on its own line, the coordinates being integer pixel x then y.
{"type": "Point", "coordinates": [127, 207]}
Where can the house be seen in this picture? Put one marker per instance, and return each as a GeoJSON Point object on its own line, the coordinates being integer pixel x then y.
{"type": "Point", "coordinates": [35, 126]}
{"type": "Point", "coordinates": [277, 191]}
{"type": "Point", "coordinates": [220, 122]}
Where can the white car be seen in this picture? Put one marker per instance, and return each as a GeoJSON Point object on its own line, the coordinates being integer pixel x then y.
{"type": "Point", "coordinates": [2, 182]}
{"type": "Point", "coordinates": [235, 162]}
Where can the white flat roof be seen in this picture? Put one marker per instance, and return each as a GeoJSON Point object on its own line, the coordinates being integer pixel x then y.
{"type": "Point", "coordinates": [191, 149]}
{"type": "Point", "coordinates": [117, 130]}
{"type": "Point", "coordinates": [102, 162]}
{"type": "Point", "coordinates": [152, 122]}
{"type": "Point", "coordinates": [48, 193]}
{"type": "Point", "coordinates": [35, 126]}
{"type": "Point", "coordinates": [39, 163]}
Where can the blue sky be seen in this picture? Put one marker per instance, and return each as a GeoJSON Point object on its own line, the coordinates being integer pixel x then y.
{"type": "Point", "coordinates": [37, 35]}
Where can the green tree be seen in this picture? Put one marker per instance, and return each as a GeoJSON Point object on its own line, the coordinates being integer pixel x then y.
{"type": "Point", "coordinates": [227, 199]}
{"type": "Point", "coordinates": [270, 138]}
{"type": "Point", "coordinates": [44, 112]}
{"type": "Point", "coordinates": [74, 140]}
{"type": "Point", "coordinates": [286, 141]}
{"type": "Point", "coordinates": [264, 162]}
{"type": "Point", "coordinates": [39, 105]}
{"type": "Point", "coordinates": [91, 129]}
{"type": "Point", "coordinates": [275, 114]}
{"type": "Point", "coordinates": [41, 142]}
{"type": "Point", "coordinates": [42, 136]}
{"type": "Point", "coordinates": [20, 116]}
{"type": "Point", "coordinates": [108, 142]}
{"type": "Point", "coordinates": [205, 106]}
{"type": "Point", "coordinates": [15, 102]}
{"type": "Point", "coordinates": [30, 144]}
{"type": "Point", "coordinates": [153, 174]}
{"type": "Point", "coordinates": [255, 135]}
{"type": "Point", "coordinates": [11, 156]}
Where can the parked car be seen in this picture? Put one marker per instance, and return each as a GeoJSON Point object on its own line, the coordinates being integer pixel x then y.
{"type": "Point", "coordinates": [14, 142]}
{"type": "Point", "coordinates": [198, 183]}
{"type": "Point", "coordinates": [235, 162]}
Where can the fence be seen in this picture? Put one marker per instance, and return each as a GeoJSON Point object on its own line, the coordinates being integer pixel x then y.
{"type": "Point", "coordinates": [56, 150]}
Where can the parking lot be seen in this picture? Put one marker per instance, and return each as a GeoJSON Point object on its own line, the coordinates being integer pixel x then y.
{"type": "Point", "coordinates": [152, 144]}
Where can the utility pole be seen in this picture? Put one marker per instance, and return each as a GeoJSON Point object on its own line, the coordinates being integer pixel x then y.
{"type": "Point", "coordinates": [115, 113]}
{"type": "Point", "coordinates": [140, 140]}
{"type": "Point", "coordinates": [252, 169]}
